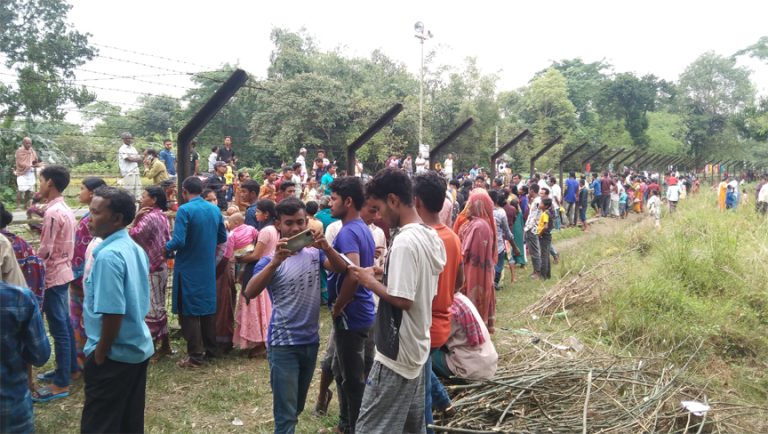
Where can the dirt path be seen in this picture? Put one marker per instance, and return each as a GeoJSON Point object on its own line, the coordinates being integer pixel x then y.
{"type": "Point", "coordinates": [601, 227]}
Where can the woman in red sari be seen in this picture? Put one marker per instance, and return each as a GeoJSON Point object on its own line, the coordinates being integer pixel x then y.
{"type": "Point", "coordinates": [478, 246]}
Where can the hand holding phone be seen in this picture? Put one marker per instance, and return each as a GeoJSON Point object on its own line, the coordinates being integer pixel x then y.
{"type": "Point", "coordinates": [300, 240]}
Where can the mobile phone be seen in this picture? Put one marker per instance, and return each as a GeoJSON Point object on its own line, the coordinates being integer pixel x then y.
{"type": "Point", "coordinates": [300, 240]}
{"type": "Point", "coordinates": [347, 260]}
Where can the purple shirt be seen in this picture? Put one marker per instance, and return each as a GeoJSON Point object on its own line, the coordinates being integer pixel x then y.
{"type": "Point", "coordinates": [295, 294]}
{"type": "Point", "coordinates": [354, 237]}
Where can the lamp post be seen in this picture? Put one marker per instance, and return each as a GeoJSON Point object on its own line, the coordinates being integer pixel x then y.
{"type": "Point", "coordinates": [422, 35]}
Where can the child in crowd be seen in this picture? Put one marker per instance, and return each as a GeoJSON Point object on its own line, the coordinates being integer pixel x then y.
{"type": "Point", "coordinates": [654, 207]}
{"type": "Point", "coordinates": [241, 236]}
{"type": "Point", "coordinates": [546, 224]}
{"type": "Point", "coordinates": [730, 198]}
{"type": "Point", "coordinates": [623, 204]}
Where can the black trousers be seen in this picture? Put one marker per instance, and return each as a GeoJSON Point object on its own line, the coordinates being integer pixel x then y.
{"type": "Point", "coordinates": [545, 240]}
{"type": "Point", "coordinates": [200, 334]}
{"type": "Point", "coordinates": [114, 396]}
{"type": "Point", "coordinates": [353, 367]}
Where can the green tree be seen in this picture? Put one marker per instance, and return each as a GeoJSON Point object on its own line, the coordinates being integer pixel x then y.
{"type": "Point", "coordinates": [666, 133]}
{"type": "Point", "coordinates": [713, 90]}
{"type": "Point", "coordinates": [306, 109]}
{"type": "Point", "coordinates": [156, 116]}
{"type": "Point", "coordinates": [468, 92]}
{"type": "Point", "coordinates": [42, 50]}
{"type": "Point", "coordinates": [758, 50]}
{"type": "Point", "coordinates": [629, 98]}
{"type": "Point", "coordinates": [549, 112]}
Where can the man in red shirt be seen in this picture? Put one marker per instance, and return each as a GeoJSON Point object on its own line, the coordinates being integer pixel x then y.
{"type": "Point", "coordinates": [429, 191]}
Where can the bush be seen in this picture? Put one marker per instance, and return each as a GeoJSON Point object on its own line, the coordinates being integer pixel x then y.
{"type": "Point", "coordinates": [97, 168]}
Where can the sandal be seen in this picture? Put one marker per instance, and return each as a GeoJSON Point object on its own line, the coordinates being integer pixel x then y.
{"type": "Point", "coordinates": [188, 363]}
{"type": "Point", "coordinates": [44, 394]}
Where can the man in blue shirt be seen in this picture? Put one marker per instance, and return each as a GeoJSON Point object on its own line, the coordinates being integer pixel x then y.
{"type": "Point", "coordinates": [327, 179]}
{"type": "Point", "coordinates": [570, 197]}
{"type": "Point", "coordinates": [293, 282]}
{"type": "Point", "coordinates": [596, 194]}
{"type": "Point", "coordinates": [24, 342]}
{"type": "Point", "coordinates": [324, 215]}
{"type": "Point", "coordinates": [352, 305]}
{"type": "Point", "coordinates": [119, 344]}
{"type": "Point", "coordinates": [167, 157]}
{"type": "Point", "coordinates": [198, 230]}
{"type": "Point", "coordinates": [249, 193]}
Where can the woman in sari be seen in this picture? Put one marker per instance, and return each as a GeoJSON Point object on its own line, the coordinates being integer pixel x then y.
{"type": "Point", "coordinates": [150, 231]}
{"type": "Point", "coordinates": [514, 217]}
{"type": "Point", "coordinates": [82, 239]}
{"type": "Point", "coordinates": [252, 317]}
{"type": "Point", "coordinates": [478, 246]}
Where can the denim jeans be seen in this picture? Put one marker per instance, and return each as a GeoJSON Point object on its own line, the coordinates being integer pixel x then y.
{"type": "Point", "coordinates": [435, 394]}
{"type": "Point", "coordinates": [499, 267]}
{"type": "Point", "coordinates": [428, 418]}
{"type": "Point", "coordinates": [56, 309]}
{"type": "Point", "coordinates": [290, 373]}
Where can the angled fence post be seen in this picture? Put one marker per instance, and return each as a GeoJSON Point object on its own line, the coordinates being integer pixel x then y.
{"type": "Point", "coordinates": [368, 134]}
{"type": "Point", "coordinates": [507, 147]}
{"type": "Point", "coordinates": [222, 95]}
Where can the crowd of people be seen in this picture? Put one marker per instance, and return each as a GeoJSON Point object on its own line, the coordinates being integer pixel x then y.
{"type": "Point", "coordinates": [408, 263]}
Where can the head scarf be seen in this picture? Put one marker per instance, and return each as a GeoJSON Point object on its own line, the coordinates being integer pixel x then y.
{"type": "Point", "coordinates": [480, 206]}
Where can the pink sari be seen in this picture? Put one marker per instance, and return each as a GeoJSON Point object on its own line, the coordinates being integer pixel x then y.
{"type": "Point", "coordinates": [252, 318]}
{"type": "Point", "coordinates": [478, 245]}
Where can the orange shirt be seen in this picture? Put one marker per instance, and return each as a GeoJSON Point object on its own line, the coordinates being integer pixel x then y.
{"type": "Point", "coordinates": [441, 318]}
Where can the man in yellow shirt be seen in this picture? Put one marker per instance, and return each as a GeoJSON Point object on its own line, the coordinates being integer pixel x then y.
{"type": "Point", "coordinates": [544, 229]}
{"type": "Point", "coordinates": [154, 169]}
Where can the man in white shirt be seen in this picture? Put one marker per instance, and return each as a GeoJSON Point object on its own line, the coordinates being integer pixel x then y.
{"type": "Point", "coordinates": [673, 195]}
{"type": "Point", "coordinates": [212, 159]}
{"type": "Point", "coordinates": [448, 167]}
{"type": "Point", "coordinates": [394, 394]}
{"type": "Point", "coordinates": [421, 163]}
{"type": "Point", "coordinates": [128, 159]}
{"type": "Point", "coordinates": [302, 159]}
{"type": "Point", "coordinates": [762, 197]}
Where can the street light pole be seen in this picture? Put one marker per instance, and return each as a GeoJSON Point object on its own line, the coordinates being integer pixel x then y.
{"type": "Point", "coordinates": [421, 95]}
{"type": "Point", "coordinates": [422, 34]}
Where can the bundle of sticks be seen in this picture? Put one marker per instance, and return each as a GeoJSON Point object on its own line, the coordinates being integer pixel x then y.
{"type": "Point", "coordinates": [572, 290]}
{"type": "Point", "coordinates": [589, 393]}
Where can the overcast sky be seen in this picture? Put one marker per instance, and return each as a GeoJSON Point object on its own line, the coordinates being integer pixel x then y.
{"type": "Point", "coordinates": [511, 38]}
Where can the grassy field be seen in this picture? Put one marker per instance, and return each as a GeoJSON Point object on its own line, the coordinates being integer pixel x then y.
{"type": "Point", "coordinates": [700, 278]}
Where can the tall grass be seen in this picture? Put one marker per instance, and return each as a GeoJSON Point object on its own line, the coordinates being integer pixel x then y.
{"type": "Point", "coordinates": [702, 277]}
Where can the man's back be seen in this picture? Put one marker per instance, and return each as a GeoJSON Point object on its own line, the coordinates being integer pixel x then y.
{"type": "Point", "coordinates": [201, 220]}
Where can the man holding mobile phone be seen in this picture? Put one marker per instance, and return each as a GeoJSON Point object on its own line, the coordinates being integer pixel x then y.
{"type": "Point", "coordinates": [293, 282]}
{"type": "Point", "coordinates": [351, 304]}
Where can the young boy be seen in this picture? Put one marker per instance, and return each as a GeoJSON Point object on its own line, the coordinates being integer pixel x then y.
{"type": "Point", "coordinates": [544, 230]}
{"type": "Point", "coordinates": [623, 203]}
{"type": "Point", "coordinates": [654, 207]}
{"type": "Point", "coordinates": [57, 244]}
{"type": "Point", "coordinates": [583, 201]}
{"type": "Point", "coordinates": [730, 198]}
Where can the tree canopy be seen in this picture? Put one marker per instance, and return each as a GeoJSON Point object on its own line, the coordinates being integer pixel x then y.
{"type": "Point", "coordinates": [323, 99]}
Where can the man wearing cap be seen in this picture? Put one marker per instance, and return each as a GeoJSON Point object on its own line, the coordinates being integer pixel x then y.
{"type": "Point", "coordinates": [26, 161]}
{"type": "Point", "coordinates": [128, 159]}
